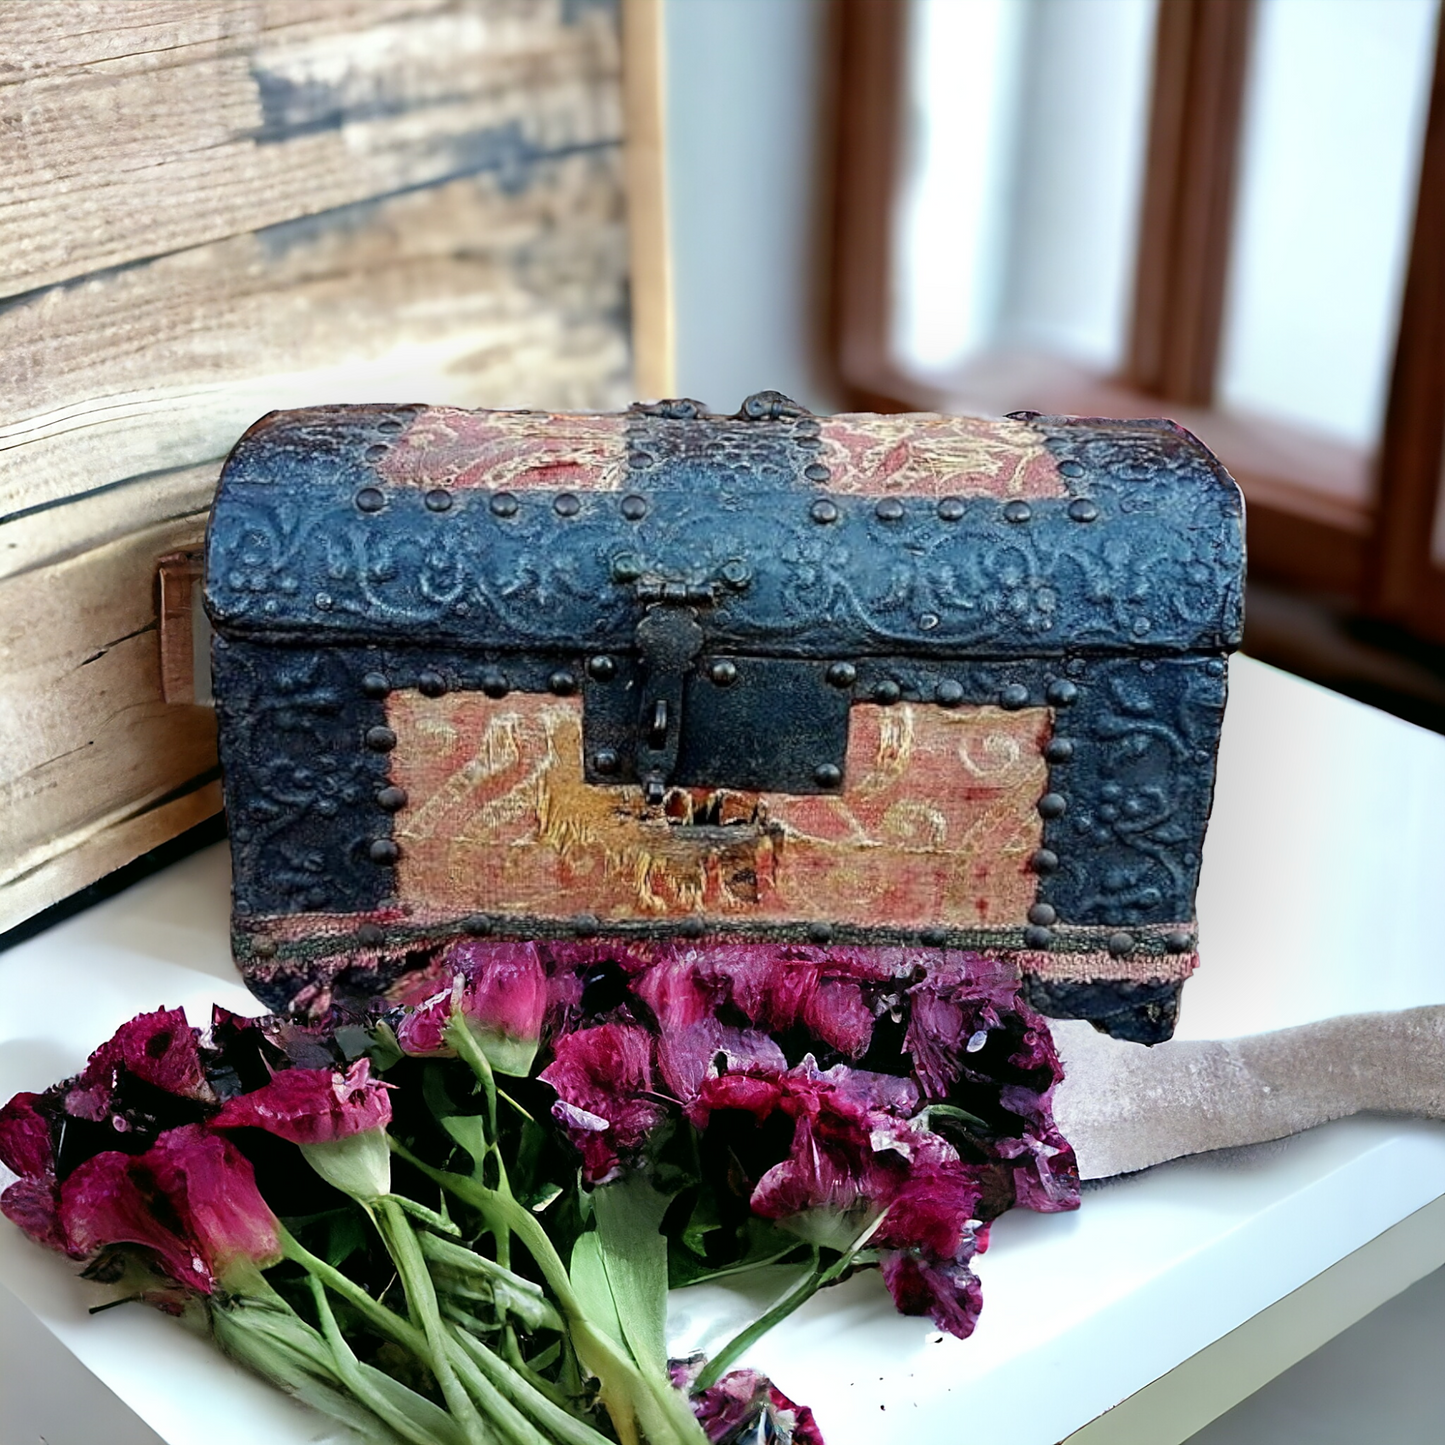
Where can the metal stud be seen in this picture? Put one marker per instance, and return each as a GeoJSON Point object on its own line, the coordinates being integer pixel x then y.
{"type": "Point", "coordinates": [807, 427]}
{"type": "Point", "coordinates": [887, 692]}
{"type": "Point", "coordinates": [1013, 696]}
{"type": "Point", "coordinates": [723, 672]}
{"type": "Point", "coordinates": [389, 424]}
{"type": "Point", "coordinates": [950, 692]}
{"type": "Point", "coordinates": [736, 573]}
{"type": "Point", "coordinates": [380, 739]}
{"type": "Point", "coordinates": [585, 925]}
{"type": "Point", "coordinates": [494, 682]}
{"type": "Point", "coordinates": [563, 682]}
{"type": "Point", "coordinates": [1017, 511]}
{"type": "Point", "coordinates": [324, 602]}
{"type": "Point", "coordinates": [1214, 667]}
{"type": "Point", "coordinates": [820, 933]}
{"type": "Point", "coordinates": [566, 504]}
{"type": "Point", "coordinates": [1121, 943]}
{"type": "Point", "coordinates": [370, 935]}
{"type": "Point", "coordinates": [376, 451]}
{"type": "Point", "coordinates": [503, 504]}
{"type": "Point", "coordinates": [634, 508]}
{"type": "Point", "coordinates": [1059, 750]}
{"type": "Point", "coordinates": [438, 500]}
{"type": "Point", "coordinates": [823, 511]}
{"type": "Point", "coordinates": [890, 509]}
{"type": "Point", "coordinates": [383, 850]}
{"type": "Point", "coordinates": [370, 499]}
{"type": "Point", "coordinates": [828, 775]}
{"type": "Point", "coordinates": [264, 948]}
{"type": "Point", "coordinates": [1043, 914]}
{"type": "Point", "coordinates": [601, 668]}
{"type": "Point", "coordinates": [1071, 468]}
{"type": "Point", "coordinates": [951, 509]}
{"type": "Point", "coordinates": [431, 684]}
{"type": "Point", "coordinates": [376, 684]}
{"type": "Point", "coordinates": [842, 674]}
{"type": "Point", "coordinates": [934, 937]}
{"type": "Point", "coordinates": [1083, 509]}
{"type": "Point", "coordinates": [816, 472]}
{"type": "Point", "coordinates": [391, 799]}
{"type": "Point", "coordinates": [606, 762]}
{"type": "Point", "coordinates": [626, 567]}
{"type": "Point", "coordinates": [478, 925]}
{"type": "Point", "coordinates": [692, 927]}
{"type": "Point", "coordinates": [1178, 941]}
{"type": "Point", "coordinates": [1052, 805]}
{"type": "Point", "coordinates": [1037, 937]}
{"type": "Point", "coordinates": [1062, 692]}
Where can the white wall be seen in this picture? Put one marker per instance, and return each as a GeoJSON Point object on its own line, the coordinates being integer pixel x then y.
{"type": "Point", "coordinates": [745, 191]}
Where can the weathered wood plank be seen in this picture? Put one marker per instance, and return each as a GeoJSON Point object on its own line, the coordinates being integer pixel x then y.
{"type": "Point", "coordinates": [475, 292]}
{"type": "Point", "coordinates": [108, 844]}
{"type": "Point", "coordinates": [134, 130]}
{"type": "Point", "coordinates": [85, 739]}
{"type": "Point", "coordinates": [212, 208]}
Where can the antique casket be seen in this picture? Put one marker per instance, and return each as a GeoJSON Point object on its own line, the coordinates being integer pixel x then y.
{"type": "Point", "coordinates": [846, 681]}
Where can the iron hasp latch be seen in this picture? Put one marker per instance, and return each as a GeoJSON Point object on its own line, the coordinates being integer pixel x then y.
{"type": "Point", "coordinates": [673, 714]}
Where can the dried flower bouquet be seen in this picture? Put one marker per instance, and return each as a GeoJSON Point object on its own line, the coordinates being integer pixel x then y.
{"type": "Point", "coordinates": [455, 1219]}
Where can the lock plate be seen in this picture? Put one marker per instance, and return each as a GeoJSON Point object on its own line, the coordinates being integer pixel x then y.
{"type": "Point", "coordinates": [764, 725]}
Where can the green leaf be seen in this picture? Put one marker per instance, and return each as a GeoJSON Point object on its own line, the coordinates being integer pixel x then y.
{"type": "Point", "coordinates": [592, 1287]}
{"type": "Point", "coordinates": [634, 1253]}
{"type": "Point", "coordinates": [470, 1131]}
{"type": "Point", "coordinates": [953, 1114]}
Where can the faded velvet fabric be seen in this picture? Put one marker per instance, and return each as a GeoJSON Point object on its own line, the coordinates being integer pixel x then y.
{"type": "Point", "coordinates": [1124, 1107]}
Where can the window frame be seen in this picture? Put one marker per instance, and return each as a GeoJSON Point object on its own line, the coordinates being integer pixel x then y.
{"type": "Point", "coordinates": [1376, 554]}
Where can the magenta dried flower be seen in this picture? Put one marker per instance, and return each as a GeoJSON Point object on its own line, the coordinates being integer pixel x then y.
{"type": "Point", "coordinates": [34, 1205]}
{"type": "Point", "coordinates": [946, 1290]}
{"type": "Point", "coordinates": [499, 990]}
{"type": "Point", "coordinates": [693, 1044]}
{"type": "Point", "coordinates": [311, 1106]}
{"type": "Point", "coordinates": [606, 1096]}
{"type": "Point", "coordinates": [850, 1143]}
{"type": "Point", "coordinates": [785, 986]}
{"type": "Point", "coordinates": [160, 1049]}
{"type": "Point", "coordinates": [191, 1197]}
{"type": "Point", "coordinates": [25, 1143]}
{"type": "Point", "coordinates": [745, 1406]}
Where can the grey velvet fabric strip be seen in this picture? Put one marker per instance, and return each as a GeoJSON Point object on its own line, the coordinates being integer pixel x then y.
{"type": "Point", "coordinates": [1124, 1107]}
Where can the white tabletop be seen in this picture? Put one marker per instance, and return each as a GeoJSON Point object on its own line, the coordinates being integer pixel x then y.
{"type": "Point", "coordinates": [1320, 875]}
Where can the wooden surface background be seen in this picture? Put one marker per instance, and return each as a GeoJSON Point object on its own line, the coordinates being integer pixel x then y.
{"type": "Point", "coordinates": [212, 208]}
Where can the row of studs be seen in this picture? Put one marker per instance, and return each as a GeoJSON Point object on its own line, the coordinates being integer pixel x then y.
{"type": "Point", "coordinates": [634, 507]}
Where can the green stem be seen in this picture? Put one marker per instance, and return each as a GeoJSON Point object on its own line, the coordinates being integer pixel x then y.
{"type": "Point", "coordinates": [557, 1425]}
{"type": "Point", "coordinates": [460, 1036]}
{"type": "Point", "coordinates": [427, 1216]}
{"type": "Point", "coordinates": [422, 1301]}
{"type": "Point", "coordinates": [664, 1413]}
{"type": "Point", "coordinates": [800, 1294]}
{"type": "Point", "coordinates": [511, 1424]}
{"type": "Point", "coordinates": [348, 1370]}
{"type": "Point", "coordinates": [512, 1353]}
{"type": "Point", "coordinates": [389, 1325]}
